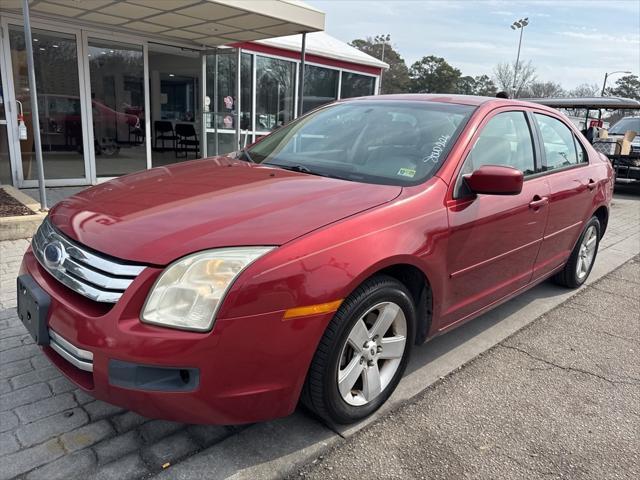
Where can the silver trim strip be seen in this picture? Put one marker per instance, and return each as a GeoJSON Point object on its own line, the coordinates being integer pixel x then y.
{"type": "Point", "coordinates": [83, 359]}
{"type": "Point", "coordinates": [98, 278]}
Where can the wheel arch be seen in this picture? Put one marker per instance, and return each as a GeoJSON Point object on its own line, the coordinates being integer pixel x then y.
{"type": "Point", "coordinates": [418, 284]}
{"type": "Point", "coordinates": [602, 214]}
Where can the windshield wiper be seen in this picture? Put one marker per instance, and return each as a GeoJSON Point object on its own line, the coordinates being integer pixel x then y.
{"type": "Point", "coordinates": [303, 169]}
{"type": "Point", "coordinates": [245, 153]}
{"type": "Point", "coordinates": [294, 168]}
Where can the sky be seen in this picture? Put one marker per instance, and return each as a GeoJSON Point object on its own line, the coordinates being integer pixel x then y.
{"type": "Point", "coordinates": [569, 42]}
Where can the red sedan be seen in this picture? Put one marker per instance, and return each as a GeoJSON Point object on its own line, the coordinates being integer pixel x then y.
{"type": "Point", "coordinates": [307, 266]}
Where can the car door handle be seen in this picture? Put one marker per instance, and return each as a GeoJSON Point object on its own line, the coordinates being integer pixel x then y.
{"type": "Point", "coordinates": [592, 184]}
{"type": "Point", "coordinates": [538, 202]}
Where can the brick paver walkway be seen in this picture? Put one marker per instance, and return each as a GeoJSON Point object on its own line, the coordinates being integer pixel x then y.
{"type": "Point", "coordinates": [51, 430]}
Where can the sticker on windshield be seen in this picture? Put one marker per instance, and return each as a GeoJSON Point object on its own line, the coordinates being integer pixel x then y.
{"type": "Point", "coordinates": [406, 172]}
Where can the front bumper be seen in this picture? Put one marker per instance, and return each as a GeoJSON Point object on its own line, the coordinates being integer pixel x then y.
{"type": "Point", "coordinates": [249, 368]}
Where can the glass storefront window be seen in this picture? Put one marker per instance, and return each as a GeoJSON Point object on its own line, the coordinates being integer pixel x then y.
{"type": "Point", "coordinates": [56, 67]}
{"type": "Point", "coordinates": [226, 143]}
{"type": "Point", "coordinates": [176, 113]}
{"type": "Point", "coordinates": [117, 100]}
{"type": "Point", "coordinates": [275, 92]}
{"type": "Point", "coordinates": [356, 85]}
{"type": "Point", "coordinates": [320, 87]}
{"type": "Point", "coordinates": [225, 103]}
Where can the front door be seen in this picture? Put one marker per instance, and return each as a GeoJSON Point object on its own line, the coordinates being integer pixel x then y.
{"type": "Point", "coordinates": [494, 240]}
{"type": "Point", "coordinates": [61, 107]}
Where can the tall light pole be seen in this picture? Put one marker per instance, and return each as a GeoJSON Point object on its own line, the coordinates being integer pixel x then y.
{"type": "Point", "coordinates": [382, 39]}
{"type": "Point", "coordinates": [518, 25]}
{"type": "Point", "coordinates": [604, 85]}
{"type": "Point", "coordinates": [607, 75]}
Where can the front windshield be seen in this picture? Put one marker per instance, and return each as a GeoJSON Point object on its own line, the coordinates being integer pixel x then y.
{"type": "Point", "coordinates": [623, 126]}
{"type": "Point", "coordinates": [385, 142]}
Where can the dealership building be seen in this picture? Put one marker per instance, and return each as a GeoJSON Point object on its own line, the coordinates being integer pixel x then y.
{"type": "Point", "coordinates": [123, 86]}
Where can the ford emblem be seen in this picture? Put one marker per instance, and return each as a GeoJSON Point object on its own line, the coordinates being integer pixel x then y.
{"type": "Point", "coordinates": [54, 255]}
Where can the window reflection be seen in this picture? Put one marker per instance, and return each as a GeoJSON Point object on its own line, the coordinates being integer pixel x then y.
{"type": "Point", "coordinates": [320, 87]}
{"type": "Point", "coordinates": [275, 84]}
{"type": "Point", "coordinates": [356, 85]}
{"type": "Point", "coordinates": [117, 102]}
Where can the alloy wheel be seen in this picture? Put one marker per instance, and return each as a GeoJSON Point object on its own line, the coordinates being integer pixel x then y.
{"type": "Point", "coordinates": [587, 252]}
{"type": "Point", "coordinates": [372, 353]}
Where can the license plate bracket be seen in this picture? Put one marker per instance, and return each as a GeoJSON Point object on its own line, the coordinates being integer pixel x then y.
{"type": "Point", "coordinates": [33, 308]}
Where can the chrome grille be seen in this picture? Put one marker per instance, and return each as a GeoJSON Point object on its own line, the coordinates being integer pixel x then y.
{"type": "Point", "coordinates": [90, 274]}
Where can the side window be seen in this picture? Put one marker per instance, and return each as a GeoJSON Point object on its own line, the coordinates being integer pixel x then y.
{"type": "Point", "coordinates": [583, 157]}
{"type": "Point", "coordinates": [505, 140]}
{"type": "Point", "coordinates": [558, 140]}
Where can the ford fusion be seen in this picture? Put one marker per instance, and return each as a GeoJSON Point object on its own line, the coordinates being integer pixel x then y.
{"type": "Point", "coordinates": [306, 267]}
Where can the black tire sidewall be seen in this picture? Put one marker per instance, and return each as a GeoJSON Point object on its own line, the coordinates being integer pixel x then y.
{"type": "Point", "coordinates": [387, 291]}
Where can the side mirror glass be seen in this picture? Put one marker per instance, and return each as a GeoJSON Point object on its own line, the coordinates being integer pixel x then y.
{"type": "Point", "coordinates": [495, 180]}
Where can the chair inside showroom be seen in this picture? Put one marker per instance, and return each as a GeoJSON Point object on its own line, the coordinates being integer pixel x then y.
{"type": "Point", "coordinates": [136, 134]}
{"type": "Point", "coordinates": [163, 131]}
{"type": "Point", "coordinates": [187, 140]}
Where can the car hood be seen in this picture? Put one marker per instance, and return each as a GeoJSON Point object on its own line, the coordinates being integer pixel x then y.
{"type": "Point", "coordinates": [159, 215]}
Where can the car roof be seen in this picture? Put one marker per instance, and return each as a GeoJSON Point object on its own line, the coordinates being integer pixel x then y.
{"type": "Point", "coordinates": [472, 100]}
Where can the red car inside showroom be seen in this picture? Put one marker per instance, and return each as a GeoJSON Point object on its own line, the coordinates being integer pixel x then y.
{"type": "Point", "coordinates": [306, 267]}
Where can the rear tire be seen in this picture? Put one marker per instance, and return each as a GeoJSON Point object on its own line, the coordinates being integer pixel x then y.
{"type": "Point", "coordinates": [578, 267]}
{"type": "Point", "coordinates": [363, 352]}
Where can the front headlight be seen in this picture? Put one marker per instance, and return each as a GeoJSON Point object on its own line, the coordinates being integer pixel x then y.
{"type": "Point", "coordinates": [189, 292]}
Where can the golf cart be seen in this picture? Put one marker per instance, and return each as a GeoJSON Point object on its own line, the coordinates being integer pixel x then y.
{"type": "Point", "coordinates": [620, 143]}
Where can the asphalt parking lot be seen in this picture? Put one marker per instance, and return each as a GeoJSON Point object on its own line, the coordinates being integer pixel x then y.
{"type": "Point", "coordinates": [49, 429]}
{"type": "Point", "coordinates": [559, 399]}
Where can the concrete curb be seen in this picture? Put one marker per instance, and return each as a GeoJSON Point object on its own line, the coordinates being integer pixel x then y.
{"type": "Point", "coordinates": [23, 226]}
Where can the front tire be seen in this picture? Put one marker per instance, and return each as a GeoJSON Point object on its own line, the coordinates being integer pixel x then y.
{"type": "Point", "coordinates": [578, 267]}
{"type": "Point", "coordinates": [363, 352]}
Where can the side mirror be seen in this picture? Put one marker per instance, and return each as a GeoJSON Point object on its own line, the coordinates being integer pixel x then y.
{"type": "Point", "coordinates": [495, 180]}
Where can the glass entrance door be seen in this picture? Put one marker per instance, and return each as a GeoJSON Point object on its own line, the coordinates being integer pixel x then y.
{"type": "Point", "coordinates": [60, 104]}
{"type": "Point", "coordinates": [116, 72]}
{"type": "Point", "coordinates": [221, 114]}
{"type": "Point", "coordinates": [5, 161]}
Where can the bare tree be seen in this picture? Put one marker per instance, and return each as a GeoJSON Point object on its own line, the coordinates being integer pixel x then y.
{"type": "Point", "coordinates": [543, 90]}
{"type": "Point", "coordinates": [513, 80]}
{"type": "Point", "coordinates": [585, 90]}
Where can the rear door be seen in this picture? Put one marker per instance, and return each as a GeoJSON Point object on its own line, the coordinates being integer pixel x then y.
{"type": "Point", "coordinates": [494, 239]}
{"type": "Point", "coordinates": [572, 188]}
